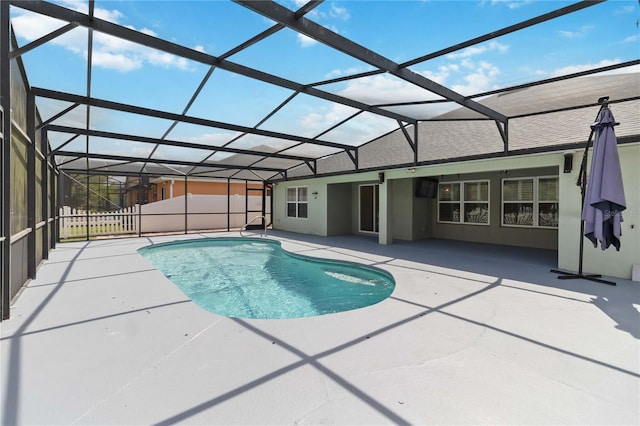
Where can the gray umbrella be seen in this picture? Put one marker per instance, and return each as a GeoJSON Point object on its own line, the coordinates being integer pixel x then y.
{"type": "Point", "coordinates": [604, 199]}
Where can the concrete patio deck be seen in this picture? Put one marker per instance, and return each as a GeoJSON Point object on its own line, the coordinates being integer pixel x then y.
{"type": "Point", "coordinates": [472, 334]}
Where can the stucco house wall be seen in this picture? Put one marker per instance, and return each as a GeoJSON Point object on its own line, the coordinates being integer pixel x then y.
{"type": "Point", "coordinates": [609, 262]}
{"type": "Point", "coordinates": [495, 232]}
{"type": "Point", "coordinates": [339, 210]}
{"type": "Point", "coordinates": [410, 218]}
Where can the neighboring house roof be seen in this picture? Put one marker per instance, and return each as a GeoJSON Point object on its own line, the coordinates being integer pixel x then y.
{"type": "Point", "coordinates": [466, 134]}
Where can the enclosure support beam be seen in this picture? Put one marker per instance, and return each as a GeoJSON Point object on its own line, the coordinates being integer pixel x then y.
{"type": "Point", "coordinates": [42, 40]}
{"type": "Point", "coordinates": [312, 167]}
{"type": "Point", "coordinates": [246, 202]}
{"type": "Point", "coordinates": [186, 205]}
{"type": "Point", "coordinates": [415, 141]}
{"type": "Point", "coordinates": [264, 203]}
{"type": "Point", "coordinates": [503, 128]}
{"type": "Point", "coordinates": [118, 31]}
{"type": "Point", "coordinates": [58, 115]}
{"type": "Point", "coordinates": [353, 154]}
{"type": "Point", "coordinates": [60, 201]}
{"type": "Point", "coordinates": [121, 158]}
{"type": "Point", "coordinates": [412, 143]}
{"type": "Point", "coordinates": [138, 202]}
{"type": "Point", "coordinates": [144, 139]}
{"type": "Point", "coordinates": [55, 206]}
{"type": "Point", "coordinates": [5, 157]}
{"type": "Point", "coordinates": [44, 196]}
{"type": "Point", "coordinates": [31, 186]}
{"type": "Point", "coordinates": [228, 204]}
{"type": "Point", "coordinates": [317, 32]}
{"type": "Point", "coordinates": [101, 103]}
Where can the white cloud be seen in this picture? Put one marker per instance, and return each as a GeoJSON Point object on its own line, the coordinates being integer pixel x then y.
{"type": "Point", "coordinates": [623, 10]}
{"type": "Point", "coordinates": [82, 7]}
{"type": "Point", "coordinates": [166, 60]}
{"type": "Point", "coordinates": [339, 12]}
{"type": "Point", "coordinates": [318, 15]}
{"type": "Point", "coordinates": [453, 67]}
{"type": "Point", "coordinates": [312, 121]}
{"type": "Point", "coordinates": [480, 78]}
{"type": "Point", "coordinates": [511, 4]}
{"type": "Point", "coordinates": [466, 77]}
{"type": "Point", "coordinates": [583, 67]}
{"type": "Point", "coordinates": [115, 61]}
{"type": "Point", "coordinates": [305, 41]}
{"type": "Point", "coordinates": [108, 15]}
{"type": "Point", "coordinates": [492, 46]}
{"type": "Point", "coordinates": [473, 77]}
{"type": "Point", "coordinates": [631, 39]}
{"type": "Point", "coordinates": [442, 74]}
{"type": "Point", "coordinates": [583, 31]}
{"type": "Point", "coordinates": [468, 63]}
{"type": "Point", "coordinates": [361, 129]}
{"type": "Point", "coordinates": [146, 31]}
{"type": "Point", "coordinates": [348, 71]}
{"type": "Point", "coordinates": [31, 26]}
{"type": "Point", "coordinates": [475, 82]}
{"type": "Point", "coordinates": [108, 52]}
{"type": "Point", "coordinates": [383, 88]}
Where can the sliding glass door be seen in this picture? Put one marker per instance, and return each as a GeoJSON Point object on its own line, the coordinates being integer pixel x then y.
{"type": "Point", "coordinates": [369, 208]}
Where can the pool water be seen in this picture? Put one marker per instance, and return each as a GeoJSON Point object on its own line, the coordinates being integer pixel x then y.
{"type": "Point", "coordinates": [256, 278]}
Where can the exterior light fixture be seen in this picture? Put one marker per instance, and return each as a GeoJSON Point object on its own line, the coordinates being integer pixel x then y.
{"type": "Point", "coordinates": [568, 162]}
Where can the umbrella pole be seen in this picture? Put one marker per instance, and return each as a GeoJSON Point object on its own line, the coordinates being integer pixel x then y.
{"type": "Point", "coordinates": [582, 183]}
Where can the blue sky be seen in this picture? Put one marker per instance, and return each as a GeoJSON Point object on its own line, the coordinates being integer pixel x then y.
{"type": "Point", "coordinates": [400, 30]}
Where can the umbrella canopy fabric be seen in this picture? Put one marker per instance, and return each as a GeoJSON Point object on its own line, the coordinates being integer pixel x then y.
{"type": "Point", "coordinates": [604, 198]}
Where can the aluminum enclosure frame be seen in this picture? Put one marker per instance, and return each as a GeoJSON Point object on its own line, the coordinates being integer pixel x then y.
{"type": "Point", "coordinates": [266, 166]}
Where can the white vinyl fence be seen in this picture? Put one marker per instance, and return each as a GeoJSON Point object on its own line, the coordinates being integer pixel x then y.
{"type": "Point", "coordinates": [74, 222]}
{"type": "Point", "coordinates": [205, 212]}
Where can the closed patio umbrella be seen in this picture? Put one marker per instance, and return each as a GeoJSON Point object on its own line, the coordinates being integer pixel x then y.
{"type": "Point", "coordinates": [604, 199]}
{"type": "Point", "coordinates": [603, 194]}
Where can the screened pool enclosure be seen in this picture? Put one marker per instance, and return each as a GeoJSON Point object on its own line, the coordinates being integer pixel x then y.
{"type": "Point", "coordinates": [89, 156]}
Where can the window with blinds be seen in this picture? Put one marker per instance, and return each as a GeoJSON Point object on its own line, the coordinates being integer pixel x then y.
{"type": "Point", "coordinates": [530, 202]}
{"type": "Point", "coordinates": [464, 202]}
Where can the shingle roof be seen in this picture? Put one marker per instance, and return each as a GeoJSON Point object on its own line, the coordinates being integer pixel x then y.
{"type": "Point", "coordinates": [440, 140]}
{"type": "Point", "coordinates": [557, 95]}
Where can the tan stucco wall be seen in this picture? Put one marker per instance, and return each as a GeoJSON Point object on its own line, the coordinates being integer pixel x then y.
{"type": "Point", "coordinates": [195, 187]}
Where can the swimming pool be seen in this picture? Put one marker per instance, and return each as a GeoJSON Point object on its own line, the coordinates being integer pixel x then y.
{"type": "Point", "coordinates": [256, 278]}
